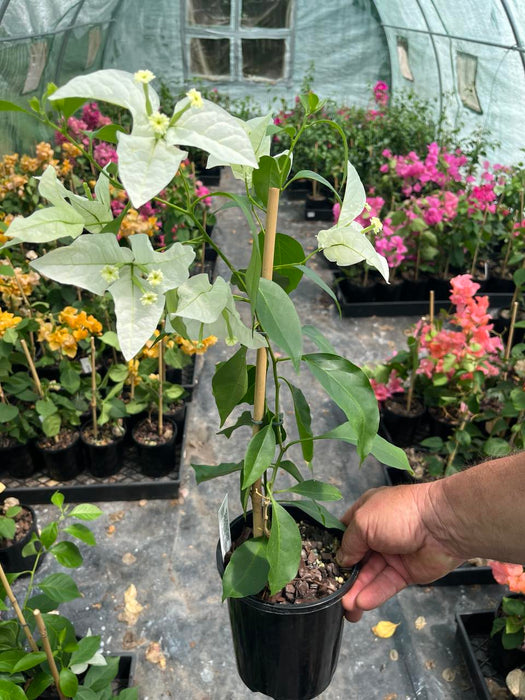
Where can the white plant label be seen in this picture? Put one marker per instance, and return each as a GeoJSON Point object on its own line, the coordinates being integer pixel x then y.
{"type": "Point", "coordinates": [224, 527]}
{"type": "Point", "coordinates": [85, 365]}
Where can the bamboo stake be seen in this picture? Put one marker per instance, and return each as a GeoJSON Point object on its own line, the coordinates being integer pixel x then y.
{"type": "Point", "coordinates": [93, 391]}
{"type": "Point", "coordinates": [203, 247]}
{"type": "Point", "coordinates": [161, 363]}
{"type": "Point", "coordinates": [26, 302]}
{"type": "Point", "coordinates": [432, 307]}
{"type": "Point", "coordinates": [49, 652]}
{"type": "Point", "coordinates": [32, 368]}
{"type": "Point", "coordinates": [18, 611]}
{"type": "Point", "coordinates": [262, 359]}
{"type": "Point", "coordinates": [514, 314]}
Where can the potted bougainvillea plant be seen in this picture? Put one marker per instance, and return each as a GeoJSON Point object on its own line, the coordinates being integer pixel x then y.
{"type": "Point", "coordinates": [154, 289]}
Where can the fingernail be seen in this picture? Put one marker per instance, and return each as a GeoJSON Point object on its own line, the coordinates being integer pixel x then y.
{"type": "Point", "coordinates": [343, 559]}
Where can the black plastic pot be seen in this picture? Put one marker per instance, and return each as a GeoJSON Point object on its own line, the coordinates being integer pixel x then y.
{"type": "Point", "coordinates": [11, 557]}
{"type": "Point", "coordinates": [357, 293]}
{"type": "Point", "coordinates": [103, 460]}
{"type": "Point", "coordinates": [414, 290]}
{"type": "Point", "coordinates": [16, 460]}
{"type": "Point", "coordinates": [402, 427]}
{"type": "Point", "coordinates": [62, 464]}
{"type": "Point", "coordinates": [439, 426]}
{"type": "Point", "coordinates": [286, 651]}
{"type": "Point", "coordinates": [156, 460]}
{"type": "Point", "coordinates": [209, 176]}
{"type": "Point", "coordinates": [318, 209]}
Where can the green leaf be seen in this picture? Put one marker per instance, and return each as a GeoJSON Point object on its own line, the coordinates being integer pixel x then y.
{"type": "Point", "coordinates": [230, 383]}
{"type": "Point", "coordinates": [51, 425]}
{"type": "Point", "coordinates": [519, 277]}
{"type": "Point", "coordinates": [45, 407]}
{"type": "Point", "coordinates": [349, 387]}
{"type": "Point", "coordinates": [319, 513]}
{"type": "Point", "coordinates": [284, 548]}
{"type": "Point", "coordinates": [41, 602]}
{"type": "Point", "coordinates": [81, 532]}
{"type": "Point", "coordinates": [30, 660]}
{"type": "Point", "coordinates": [496, 447]}
{"type": "Point", "coordinates": [68, 682]}
{"type": "Point", "coordinates": [513, 606]}
{"type": "Point", "coordinates": [57, 499]}
{"type": "Point", "coordinates": [8, 412]}
{"type": "Point", "coordinates": [67, 554]}
{"type": "Point", "coordinates": [318, 338]}
{"type": "Point", "coordinates": [259, 455]}
{"type": "Point", "coordinates": [292, 469]}
{"type": "Point", "coordinates": [512, 641]}
{"type": "Point", "coordinates": [7, 106]}
{"type": "Point", "coordinates": [99, 678]}
{"type": "Point", "coordinates": [8, 659]}
{"type": "Point", "coordinates": [128, 694]}
{"type": "Point", "coordinates": [84, 693]}
{"type": "Point", "coordinates": [247, 570]}
{"type": "Point", "coordinates": [49, 534]}
{"type": "Point", "coordinates": [70, 379]}
{"type": "Point", "coordinates": [245, 419]}
{"type": "Point", "coordinates": [316, 490]}
{"type": "Point", "coordinates": [87, 647]}
{"type": "Point", "coordinates": [320, 283]}
{"type": "Point", "coordinates": [59, 587]}
{"type": "Point", "coordinates": [10, 691]}
{"type": "Point", "coordinates": [85, 511]}
{"type": "Point", "coordinates": [311, 175]}
{"type": "Point", "coordinates": [288, 255]}
{"type": "Point", "coordinates": [38, 684]}
{"type": "Point", "coordinates": [204, 472]}
{"type": "Point", "coordinates": [518, 399]}
{"type": "Point", "coordinates": [110, 338]}
{"type": "Point", "coordinates": [267, 175]}
{"type": "Point", "coordinates": [279, 319]}
{"type": "Point", "coordinates": [434, 443]}
{"type": "Point", "coordinates": [253, 274]}
{"type": "Point", "coordinates": [303, 420]}
{"type": "Point", "coordinates": [108, 132]}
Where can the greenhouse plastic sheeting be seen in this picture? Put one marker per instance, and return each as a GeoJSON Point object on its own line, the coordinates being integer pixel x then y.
{"type": "Point", "coordinates": [468, 56]}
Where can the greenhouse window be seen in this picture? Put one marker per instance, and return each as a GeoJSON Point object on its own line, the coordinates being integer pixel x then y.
{"type": "Point", "coordinates": [402, 57]}
{"type": "Point", "coordinates": [467, 68]}
{"type": "Point", "coordinates": [37, 63]}
{"type": "Point", "coordinates": [239, 39]}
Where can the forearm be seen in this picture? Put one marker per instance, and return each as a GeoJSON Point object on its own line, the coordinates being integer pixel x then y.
{"type": "Point", "coordinates": [480, 512]}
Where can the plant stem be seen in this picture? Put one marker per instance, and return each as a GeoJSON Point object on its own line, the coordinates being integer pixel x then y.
{"type": "Point", "coordinates": [49, 652]}
{"type": "Point", "coordinates": [34, 373]}
{"type": "Point", "coordinates": [18, 611]}
{"type": "Point", "coordinates": [510, 338]}
{"type": "Point", "coordinates": [478, 244]}
{"type": "Point", "coordinates": [262, 358]}
{"type": "Point", "coordinates": [161, 374]}
{"type": "Point", "coordinates": [93, 391]}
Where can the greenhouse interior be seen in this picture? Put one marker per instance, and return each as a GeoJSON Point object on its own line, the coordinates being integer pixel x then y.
{"type": "Point", "coordinates": [262, 349]}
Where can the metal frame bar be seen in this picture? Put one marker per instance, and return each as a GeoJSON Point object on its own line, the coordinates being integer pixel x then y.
{"type": "Point", "coordinates": [515, 47]}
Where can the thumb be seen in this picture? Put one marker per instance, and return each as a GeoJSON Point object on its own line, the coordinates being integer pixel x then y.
{"type": "Point", "coordinates": [353, 547]}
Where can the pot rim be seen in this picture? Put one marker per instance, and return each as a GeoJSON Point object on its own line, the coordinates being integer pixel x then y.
{"type": "Point", "coordinates": [29, 533]}
{"type": "Point", "coordinates": [287, 608]}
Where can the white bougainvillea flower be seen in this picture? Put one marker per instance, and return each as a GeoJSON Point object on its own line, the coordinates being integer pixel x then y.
{"type": "Point", "coordinates": [203, 309]}
{"type": "Point", "coordinates": [155, 277]}
{"type": "Point", "coordinates": [69, 214]}
{"type": "Point", "coordinates": [137, 307]}
{"type": "Point", "coordinates": [110, 273]}
{"type": "Point", "coordinates": [147, 159]}
{"type": "Point", "coordinates": [159, 123]}
{"type": "Point", "coordinates": [345, 243]}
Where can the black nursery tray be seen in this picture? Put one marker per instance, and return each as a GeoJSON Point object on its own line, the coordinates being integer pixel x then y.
{"type": "Point", "coordinates": [464, 575]}
{"type": "Point", "coordinates": [128, 484]}
{"type": "Point", "coordinates": [404, 308]}
{"type": "Point", "coordinates": [473, 632]}
{"type": "Point", "coordinates": [126, 671]}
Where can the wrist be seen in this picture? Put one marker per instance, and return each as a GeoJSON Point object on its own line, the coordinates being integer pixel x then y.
{"type": "Point", "coordinates": [442, 519]}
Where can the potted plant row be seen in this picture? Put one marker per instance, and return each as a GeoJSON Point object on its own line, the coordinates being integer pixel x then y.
{"type": "Point", "coordinates": [278, 552]}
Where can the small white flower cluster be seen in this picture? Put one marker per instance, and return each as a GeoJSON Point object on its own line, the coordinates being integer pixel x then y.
{"type": "Point", "coordinates": [143, 76]}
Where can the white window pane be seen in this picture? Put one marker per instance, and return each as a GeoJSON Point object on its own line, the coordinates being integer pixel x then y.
{"type": "Point", "coordinates": [208, 12]}
{"type": "Point", "coordinates": [263, 58]}
{"type": "Point", "coordinates": [210, 57]}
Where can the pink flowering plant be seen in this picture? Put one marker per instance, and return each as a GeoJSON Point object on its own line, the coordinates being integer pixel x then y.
{"type": "Point", "coordinates": [511, 624]}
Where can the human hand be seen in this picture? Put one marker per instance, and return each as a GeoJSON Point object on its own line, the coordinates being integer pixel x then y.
{"type": "Point", "coordinates": [394, 531]}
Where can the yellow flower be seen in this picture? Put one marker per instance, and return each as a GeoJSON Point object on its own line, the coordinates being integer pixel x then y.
{"type": "Point", "coordinates": [194, 97]}
{"type": "Point", "coordinates": [71, 150]}
{"type": "Point", "coordinates": [68, 316]}
{"type": "Point", "coordinates": [133, 223]}
{"type": "Point", "coordinates": [61, 339]}
{"type": "Point", "coordinates": [8, 320]}
{"type": "Point", "coordinates": [66, 167]}
{"type": "Point", "coordinates": [376, 224]}
{"type": "Point", "coordinates": [29, 165]}
{"type": "Point", "coordinates": [133, 373]}
{"type": "Point", "coordinates": [80, 334]}
{"type": "Point", "coordinates": [195, 347]}
{"type": "Point", "coordinates": [45, 330]}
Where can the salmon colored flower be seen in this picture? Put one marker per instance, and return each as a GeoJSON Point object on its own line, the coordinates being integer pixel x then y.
{"type": "Point", "coordinates": [195, 347]}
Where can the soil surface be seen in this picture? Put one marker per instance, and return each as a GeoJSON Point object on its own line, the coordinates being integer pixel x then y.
{"type": "Point", "coordinates": [147, 432]}
{"type": "Point", "coordinates": [397, 405]}
{"type": "Point", "coordinates": [106, 434]}
{"type": "Point", "coordinates": [24, 522]}
{"type": "Point", "coordinates": [65, 438]}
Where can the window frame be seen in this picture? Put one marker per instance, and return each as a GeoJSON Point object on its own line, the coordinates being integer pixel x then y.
{"type": "Point", "coordinates": [235, 34]}
{"type": "Point", "coordinates": [466, 74]}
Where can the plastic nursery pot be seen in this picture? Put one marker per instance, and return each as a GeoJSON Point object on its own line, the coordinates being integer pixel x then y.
{"type": "Point", "coordinates": [318, 208]}
{"type": "Point", "coordinates": [155, 459]}
{"type": "Point", "coordinates": [102, 459]}
{"type": "Point", "coordinates": [11, 557]}
{"type": "Point", "coordinates": [504, 660]}
{"type": "Point", "coordinates": [62, 463]}
{"type": "Point", "coordinates": [402, 425]}
{"type": "Point", "coordinates": [286, 651]}
{"type": "Point", "coordinates": [16, 460]}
